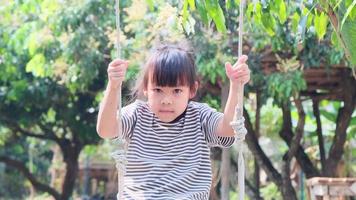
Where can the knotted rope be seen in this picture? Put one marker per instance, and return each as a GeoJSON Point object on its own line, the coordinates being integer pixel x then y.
{"type": "Point", "coordinates": [119, 143]}
{"type": "Point", "coordinates": [238, 122]}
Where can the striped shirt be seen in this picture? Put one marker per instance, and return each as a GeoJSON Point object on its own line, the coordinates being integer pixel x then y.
{"type": "Point", "coordinates": [170, 161]}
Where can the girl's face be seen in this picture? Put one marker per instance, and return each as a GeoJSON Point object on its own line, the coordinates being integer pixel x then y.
{"type": "Point", "coordinates": [167, 103]}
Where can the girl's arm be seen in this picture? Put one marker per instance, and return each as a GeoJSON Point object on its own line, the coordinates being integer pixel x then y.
{"type": "Point", "coordinates": [107, 125]}
{"type": "Point", "coordinates": [237, 74]}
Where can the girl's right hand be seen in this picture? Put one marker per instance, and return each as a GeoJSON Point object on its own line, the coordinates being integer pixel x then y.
{"type": "Point", "coordinates": [116, 72]}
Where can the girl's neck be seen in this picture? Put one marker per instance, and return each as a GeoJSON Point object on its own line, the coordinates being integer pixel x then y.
{"type": "Point", "coordinates": [179, 117]}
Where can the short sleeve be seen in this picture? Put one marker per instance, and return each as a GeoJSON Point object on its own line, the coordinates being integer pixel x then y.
{"type": "Point", "coordinates": [210, 119]}
{"type": "Point", "coordinates": [129, 118]}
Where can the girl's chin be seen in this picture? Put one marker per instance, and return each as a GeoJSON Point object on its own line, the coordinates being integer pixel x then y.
{"type": "Point", "coordinates": [166, 117]}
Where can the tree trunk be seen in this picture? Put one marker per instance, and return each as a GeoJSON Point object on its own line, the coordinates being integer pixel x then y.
{"type": "Point", "coordinates": [70, 156]}
{"type": "Point", "coordinates": [288, 192]}
{"type": "Point", "coordinates": [342, 122]}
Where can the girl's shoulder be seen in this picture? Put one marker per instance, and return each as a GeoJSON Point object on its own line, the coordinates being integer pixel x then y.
{"type": "Point", "coordinates": [198, 105]}
{"type": "Point", "coordinates": [137, 105]}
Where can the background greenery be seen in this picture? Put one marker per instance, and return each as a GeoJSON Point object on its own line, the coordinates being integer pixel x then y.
{"type": "Point", "coordinates": [54, 55]}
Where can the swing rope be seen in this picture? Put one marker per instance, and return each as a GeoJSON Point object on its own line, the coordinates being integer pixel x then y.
{"type": "Point", "coordinates": [238, 122]}
{"type": "Point", "coordinates": [119, 143]}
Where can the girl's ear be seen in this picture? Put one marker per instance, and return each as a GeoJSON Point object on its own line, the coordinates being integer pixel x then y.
{"type": "Point", "coordinates": [193, 92]}
{"type": "Point", "coordinates": [145, 93]}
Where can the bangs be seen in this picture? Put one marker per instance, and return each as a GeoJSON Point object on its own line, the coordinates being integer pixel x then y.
{"type": "Point", "coordinates": [172, 68]}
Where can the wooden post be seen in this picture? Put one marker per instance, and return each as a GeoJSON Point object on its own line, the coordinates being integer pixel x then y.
{"type": "Point", "coordinates": [324, 188]}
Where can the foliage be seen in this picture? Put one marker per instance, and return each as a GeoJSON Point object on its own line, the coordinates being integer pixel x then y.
{"type": "Point", "coordinates": [293, 82]}
{"type": "Point", "coordinates": [299, 17]}
{"type": "Point", "coordinates": [270, 192]}
{"type": "Point", "coordinates": [12, 185]}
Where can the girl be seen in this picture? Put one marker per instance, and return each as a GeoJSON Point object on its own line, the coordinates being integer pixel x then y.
{"type": "Point", "coordinates": [169, 135]}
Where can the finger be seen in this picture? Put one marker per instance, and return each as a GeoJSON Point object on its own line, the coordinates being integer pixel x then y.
{"type": "Point", "coordinates": [118, 62]}
{"type": "Point", "coordinates": [117, 74]}
{"type": "Point", "coordinates": [241, 60]}
{"type": "Point", "coordinates": [242, 66]}
{"type": "Point", "coordinates": [228, 67]}
{"type": "Point", "coordinates": [116, 69]}
{"type": "Point", "coordinates": [239, 76]}
{"type": "Point", "coordinates": [117, 79]}
{"type": "Point", "coordinates": [239, 72]}
{"type": "Point", "coordinates": [245, 78]}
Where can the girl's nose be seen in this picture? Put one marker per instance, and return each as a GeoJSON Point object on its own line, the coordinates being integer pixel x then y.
{"type": "Point", "coordinates": [166, 101]}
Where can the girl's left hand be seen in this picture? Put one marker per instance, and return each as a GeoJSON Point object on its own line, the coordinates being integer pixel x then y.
{"type": "Point", "coordinates": [239, 73]}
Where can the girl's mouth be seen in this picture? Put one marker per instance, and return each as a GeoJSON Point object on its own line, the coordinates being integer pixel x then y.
{"type": "Point", "coordinates": [166, 111]}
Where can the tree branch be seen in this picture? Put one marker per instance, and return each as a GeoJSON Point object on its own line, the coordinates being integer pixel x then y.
{"type": "Point", "coordinates": [287, 135]}
{"type": "Point", "coordinates": [17, 128]}
{"type": "Point", "coordinates": [49, 131]}
{"type": "Point", "coordinates": [36, 183]}
{"type": "Point", "coordinates": [319, 132]}
{"type": "Point", "coordinates": [259, 154]}
{"type": "Point", "coordinates": [299, 129]}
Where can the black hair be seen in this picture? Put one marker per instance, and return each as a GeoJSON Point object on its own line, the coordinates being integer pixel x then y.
{"type": "Point", "coordinates": [169, 65]}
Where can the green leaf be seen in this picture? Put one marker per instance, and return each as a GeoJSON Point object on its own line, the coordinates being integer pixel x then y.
{"type": "Point", "coordinates": [228, 4]}
{"type": "Point", "coordinates": [185, 11]}
{"type": "Point", "coordinates": [282, 12]}
{"type": "Point", "coordinates": [328, 115]}
{"type": "Point", "coordinates": [258, 13]}
{"type": "Point", "coordinates": [191, 4]}
{"type": "Point", "coordinates": [249, 10]}
{"type": "Point", "coordinates": [337, 4]}
{"type": "Point", "coordinates": [349, 36]}
{"type": "Point", "coordinates": [320, 23]}
{"type": "Point", "coordinates": [150, 5]}
{"type": "Point", "coordinates": [51, 115]}
{"type": "Point", "coordinates": [334, 39]}
{"type": "Point", "coordinates": [268, 23]}
{"type": "Point", "coordinates": [353, 122]}
{"type": "Point", "coordinates": [36, 65]}
{"type": "Point", "coordinates": [348, 11]}
{"type": "Point", "coordinates": [216, 13]}
{"type": "Point", "coordinates": [353, 13]}
{"type": "Point", "coordinates": [309, 18]}
{"type": "Point", "coordinates": [202, 11]}
{"type": "Point", "coordinates": [295, 21]}
{"type": "Point", "coordinates": [32, 44]}
{"type": "Point", "coordinates": [17, 90]}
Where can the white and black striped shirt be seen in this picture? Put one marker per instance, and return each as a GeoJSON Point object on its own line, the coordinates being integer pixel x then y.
{"type": "Point", "coordinates": [170, 160]}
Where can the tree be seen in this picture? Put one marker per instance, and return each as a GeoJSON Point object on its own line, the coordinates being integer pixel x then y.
{"type": "Point", "coordinates": [288, 33]}
{"type": "Point", "coordinates": [55, 60]}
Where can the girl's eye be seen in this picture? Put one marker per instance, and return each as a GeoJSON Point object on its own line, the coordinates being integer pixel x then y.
{"type": "Point", "coordinates": [177, 91]}
{"type": "Point", "coordinates": [157, 90]}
